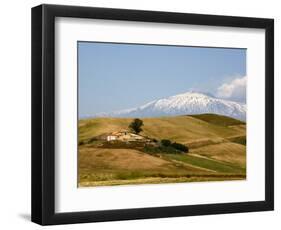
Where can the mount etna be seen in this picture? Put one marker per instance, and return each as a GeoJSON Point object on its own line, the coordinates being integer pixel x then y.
{"type": "Point", "coordinates": [188, 103]}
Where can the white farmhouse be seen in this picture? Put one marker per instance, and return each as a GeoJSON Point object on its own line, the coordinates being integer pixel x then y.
{"type": "Point", "coordinates": [111, 138]}
{"type": "Point", "coordinates": [124, 135]}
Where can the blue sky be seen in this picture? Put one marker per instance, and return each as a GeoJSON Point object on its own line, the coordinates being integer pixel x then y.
{"type": "Point", "coordinates": [120, 76]}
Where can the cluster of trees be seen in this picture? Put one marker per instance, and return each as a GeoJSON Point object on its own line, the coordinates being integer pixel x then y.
{"type": "Point", "coordinates": [175, 145]}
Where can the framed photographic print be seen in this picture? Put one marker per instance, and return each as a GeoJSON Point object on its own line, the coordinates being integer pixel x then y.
{"type": "Point", "coordinates": [142, 114]}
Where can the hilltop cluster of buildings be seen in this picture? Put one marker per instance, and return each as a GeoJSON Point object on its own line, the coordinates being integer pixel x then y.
{"type": "Point", "coordinates": [124, 135]}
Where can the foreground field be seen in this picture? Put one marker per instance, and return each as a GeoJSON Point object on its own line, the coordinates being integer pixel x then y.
{"type": "Point", "coordinates": [217, 151]}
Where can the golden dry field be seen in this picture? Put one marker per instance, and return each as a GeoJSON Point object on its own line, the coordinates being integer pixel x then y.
{"type": "Point", "coordinates": [217, 151]}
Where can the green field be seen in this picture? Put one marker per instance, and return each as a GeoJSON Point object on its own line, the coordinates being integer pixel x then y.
{"type": "Point", "coordinates": [217, 151]}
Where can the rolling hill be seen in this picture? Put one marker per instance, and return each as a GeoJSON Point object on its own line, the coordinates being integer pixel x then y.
{"type": "Point", "coordinates": [214, 142]}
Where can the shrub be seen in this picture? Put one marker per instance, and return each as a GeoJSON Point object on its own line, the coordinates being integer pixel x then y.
{"type": "Point", "coordinates": [180, 147]}
{"type": "Point", "coordinates": [166, 142]}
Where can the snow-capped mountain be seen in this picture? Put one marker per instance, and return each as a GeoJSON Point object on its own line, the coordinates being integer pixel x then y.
{"type": "Point", "coordinates": [184, 104]}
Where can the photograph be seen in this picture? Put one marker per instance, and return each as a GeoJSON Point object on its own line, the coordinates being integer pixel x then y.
{"type": "Point", "coordinates": [143, 114]}
{"type": "Point", "coordinates": [152, 114]}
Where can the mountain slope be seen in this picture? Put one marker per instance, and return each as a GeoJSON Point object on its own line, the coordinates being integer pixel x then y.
{"type": "Point", "coordinates": [184, 104]}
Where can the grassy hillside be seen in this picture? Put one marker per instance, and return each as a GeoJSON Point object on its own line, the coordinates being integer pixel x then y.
{"type": "Point", "coordinates": [185, 129]}
{"type": "Point", "coordinates": [218, 119]}
{"type": "Point", "coordinates": [216, 143]}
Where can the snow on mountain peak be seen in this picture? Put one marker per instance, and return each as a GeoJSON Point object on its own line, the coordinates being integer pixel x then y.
{"type": "Point", "coordinates": [185, 104]}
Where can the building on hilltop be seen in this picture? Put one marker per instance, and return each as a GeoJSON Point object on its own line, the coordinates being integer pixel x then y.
{"type": "Point", "coordinates": [124, 135]}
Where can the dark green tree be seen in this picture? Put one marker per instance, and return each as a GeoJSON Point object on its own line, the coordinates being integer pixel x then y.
{"type": "Point", "coordinates": [136, 125]}
{"type": "Point", "coordinates": [166, 142]}
{"type": "Point", "coordinates": [180, 147]}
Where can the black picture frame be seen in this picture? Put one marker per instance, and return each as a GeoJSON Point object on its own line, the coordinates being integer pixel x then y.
{"type": "Point", "coordinates": [43, 114]}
